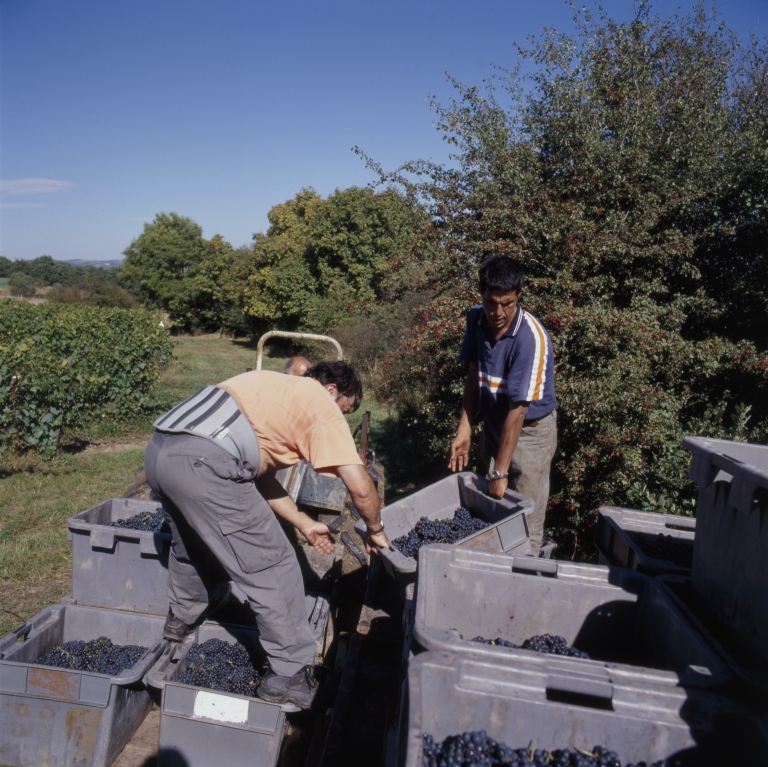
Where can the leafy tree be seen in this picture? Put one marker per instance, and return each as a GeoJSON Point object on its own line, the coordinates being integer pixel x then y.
{"type": "Point", "coordinates": [21, 284]}
{"type": "Point", "coordinates": [44, 271]}
{"type": "Point", "coordinates": [629, 173]}
{"type": "Point", "coordinates": [198, 282]}
{"type": "Point", "coordinates": [160, 265]}
{"type": "Point", "coordinates": [5, 266]}
{"type": "Point", "coordinates": [219, 285]}
{"type": "Point", "coordinates": [319, 256]}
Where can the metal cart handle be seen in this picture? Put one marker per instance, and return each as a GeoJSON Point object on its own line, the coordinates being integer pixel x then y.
{"type": "Point", "coordinates": [287, 334]}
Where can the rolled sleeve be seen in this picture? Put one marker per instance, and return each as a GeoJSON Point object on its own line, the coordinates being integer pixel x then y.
{"type": "Point", "coordinates": [329, 445]}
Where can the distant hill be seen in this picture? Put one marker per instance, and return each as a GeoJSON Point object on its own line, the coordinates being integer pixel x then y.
{"type": "Point", "coordinates": [96, 264]}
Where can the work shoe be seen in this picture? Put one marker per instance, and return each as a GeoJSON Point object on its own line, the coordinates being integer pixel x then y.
{"type": "Point", "coordinates": [175, 629]}
{"type": "Point", "coordinates": [298, 689]}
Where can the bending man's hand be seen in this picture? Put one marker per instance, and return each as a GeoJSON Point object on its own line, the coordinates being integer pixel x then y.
{"type": "Point", "coordinates": [319, 536]}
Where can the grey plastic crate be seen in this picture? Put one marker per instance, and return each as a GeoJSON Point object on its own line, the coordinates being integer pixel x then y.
{"type": "Point", "coordinates": [519, 704]}
{"type": "Point", "coordinates": [621, 618]}
{"type": "Point", "coordinates": [201, 727]}
{"type": "Point", "coordinates": [730, 554]}
{"type": "Point", "coordinates": [117, 568]}
{"type": "Point", "coordinates": [752, 679]}
{"type": "Point", "coordinates": [61, 718]}
{"type": "Point", "coordinates": [618, 548]}
{"type": "Point", "coordinates": [508, 531]}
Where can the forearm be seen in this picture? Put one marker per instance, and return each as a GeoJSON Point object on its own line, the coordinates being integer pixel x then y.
{"type": "Point", "coordinates": [510, 434]}
{"type": "Point", "coordinates": [363, 493]}
{"type": "Point", "coordinates": [369, 506]}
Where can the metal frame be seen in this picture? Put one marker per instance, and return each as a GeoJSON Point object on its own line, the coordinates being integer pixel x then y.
{"type": "Point", "coordinates": [287, 334]}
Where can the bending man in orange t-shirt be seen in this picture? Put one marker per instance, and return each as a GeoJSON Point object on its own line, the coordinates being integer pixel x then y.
{"type": "Point", "coordinates": [212, 460]}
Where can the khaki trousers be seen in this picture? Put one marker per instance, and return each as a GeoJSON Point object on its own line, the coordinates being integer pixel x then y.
{"type": "Point", "coordinates": [529, 470]}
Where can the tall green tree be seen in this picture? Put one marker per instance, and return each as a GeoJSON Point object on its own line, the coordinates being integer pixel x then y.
{"type": "Point", "coordinates": [629, 173]}
{"type": "Point", "coordinates": [320, 256]}
{"type": "Point", "coordinates": [160, 265]}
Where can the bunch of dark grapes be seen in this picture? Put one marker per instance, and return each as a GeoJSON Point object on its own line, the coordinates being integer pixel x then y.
{"type": "Point", "coordinates": [438, 531]}
{"type": "Point", "coordinates": [147, 521]}
{"type": "Point", "coordinates": [544, 643]}
{"type": "Point", "coordinates": [660, 546]}
{"type": "Point", "coordinates": [476, 748]}
{"type": "Point", "coordinates": [218, 665]}
{"type": "Point", "coordinates": [99, 656]}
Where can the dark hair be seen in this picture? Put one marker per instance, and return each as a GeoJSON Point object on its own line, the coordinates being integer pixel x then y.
{"type": "Point", "coordinates": [501, 274]}
{"type": "Point", "coordinates": [343, 375]}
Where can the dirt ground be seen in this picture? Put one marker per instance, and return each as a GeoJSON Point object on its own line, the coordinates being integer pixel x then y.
{"type": "Point", "coordinates": [141, 750]}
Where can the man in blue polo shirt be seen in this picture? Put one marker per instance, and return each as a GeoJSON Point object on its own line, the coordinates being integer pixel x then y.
{"type": "Point", "coordinates": [511, 384]}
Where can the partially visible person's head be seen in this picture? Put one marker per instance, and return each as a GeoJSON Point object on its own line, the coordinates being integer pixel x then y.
{"type": "Point", "coordinates": [342, 381]}
{"type": "Point", "coordinates": [297, 366]}
{"type": "Point", "coordinates": [501, 274]}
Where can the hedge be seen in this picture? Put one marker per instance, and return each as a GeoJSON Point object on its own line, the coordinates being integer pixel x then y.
{"type": "Point", "coordinates": [59, 363]}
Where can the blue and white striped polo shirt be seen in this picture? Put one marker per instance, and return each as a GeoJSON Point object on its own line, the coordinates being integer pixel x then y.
{"type": "Point", "coordinates": [519, 367]}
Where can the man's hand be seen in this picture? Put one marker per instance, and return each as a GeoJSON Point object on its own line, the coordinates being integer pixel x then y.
{"type": "Point", "coordinates": [459, 459]}
{"type": "Point", "coordinates": [319, 536]}
{"type": "Point", "coordinates": [498, 487]}
{"type": "Point", "coordinates": [375, 542]}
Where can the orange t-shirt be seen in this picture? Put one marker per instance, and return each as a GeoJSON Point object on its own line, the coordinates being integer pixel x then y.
{"type": "Point", "coordinates": [294, 418]}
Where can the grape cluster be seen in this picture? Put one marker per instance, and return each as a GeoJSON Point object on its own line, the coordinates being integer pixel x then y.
{"type": "Point", "coordinates": [438, 531]}
{"type": "Point", "coordinates": [147, 521]}
{"type": "Point", "coordinates": [99, 656]}
{"type": "Point", "coordinates": [218, 665]}
{"type": "Point", "coordinates": [544, 643]}
{"type": "Point", "coordinates": [660, 546]}
{"type": "Point", "coordinates": [472, 749]}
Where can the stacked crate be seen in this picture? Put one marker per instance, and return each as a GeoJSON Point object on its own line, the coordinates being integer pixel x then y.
{"type": "Point", "coordinates": [60, 717]}
{"type": "Point", "coordinates": [678, 657]}
{"type": "Point", "coordinates": [64, 718]}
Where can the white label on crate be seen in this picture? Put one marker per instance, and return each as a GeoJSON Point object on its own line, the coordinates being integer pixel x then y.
{"type": "Point", "coordinates": [220, 708]}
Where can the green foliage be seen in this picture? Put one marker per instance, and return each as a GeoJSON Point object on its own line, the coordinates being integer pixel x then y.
{"type": "Point", "coordinates": [21, 285]}
{"type": "Point", "coordinates": [629, 174]}
{"type": "Point", "coordinates": [219, 285]}
{"type": "Point", "coordinates": [44, 270]}
{"type": "Point", "coordinates": [198, 282]}
{"type": "Point", "coordinates": [320, 256]}
{"type": "Point", "coordinates": [97, 288]}
{"type": "Point", "coordinates": [5, 267]}
{"type": "Point", "coordinates": [58, 363]}
{"type": "Point", "coordinates": [94, 294]}
{"type": "Point", "coordinates": [161, 263]}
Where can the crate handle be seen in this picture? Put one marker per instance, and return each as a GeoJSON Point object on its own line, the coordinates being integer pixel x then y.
{"type": "Point", "coordinates": [746, 480]}
{"type": "Point", "coordinates": [102, 539]}
{"type": "Point", "coordinates": [534, 565]}
{"type": "Point", "coordinates": [588, 693]}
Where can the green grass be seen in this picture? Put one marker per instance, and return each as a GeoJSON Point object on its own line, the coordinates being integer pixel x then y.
{"type": "Point", "coordinates": [3, 282]}
{"type": "Point", "coordinates": [36, 499]}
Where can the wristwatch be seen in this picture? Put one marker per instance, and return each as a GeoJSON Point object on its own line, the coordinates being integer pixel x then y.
{"type": "Point", "coordinates": [498, 475]}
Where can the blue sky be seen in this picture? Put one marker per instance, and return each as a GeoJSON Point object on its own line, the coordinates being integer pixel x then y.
{"type": "Point", "coordinates": [112, 111]}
